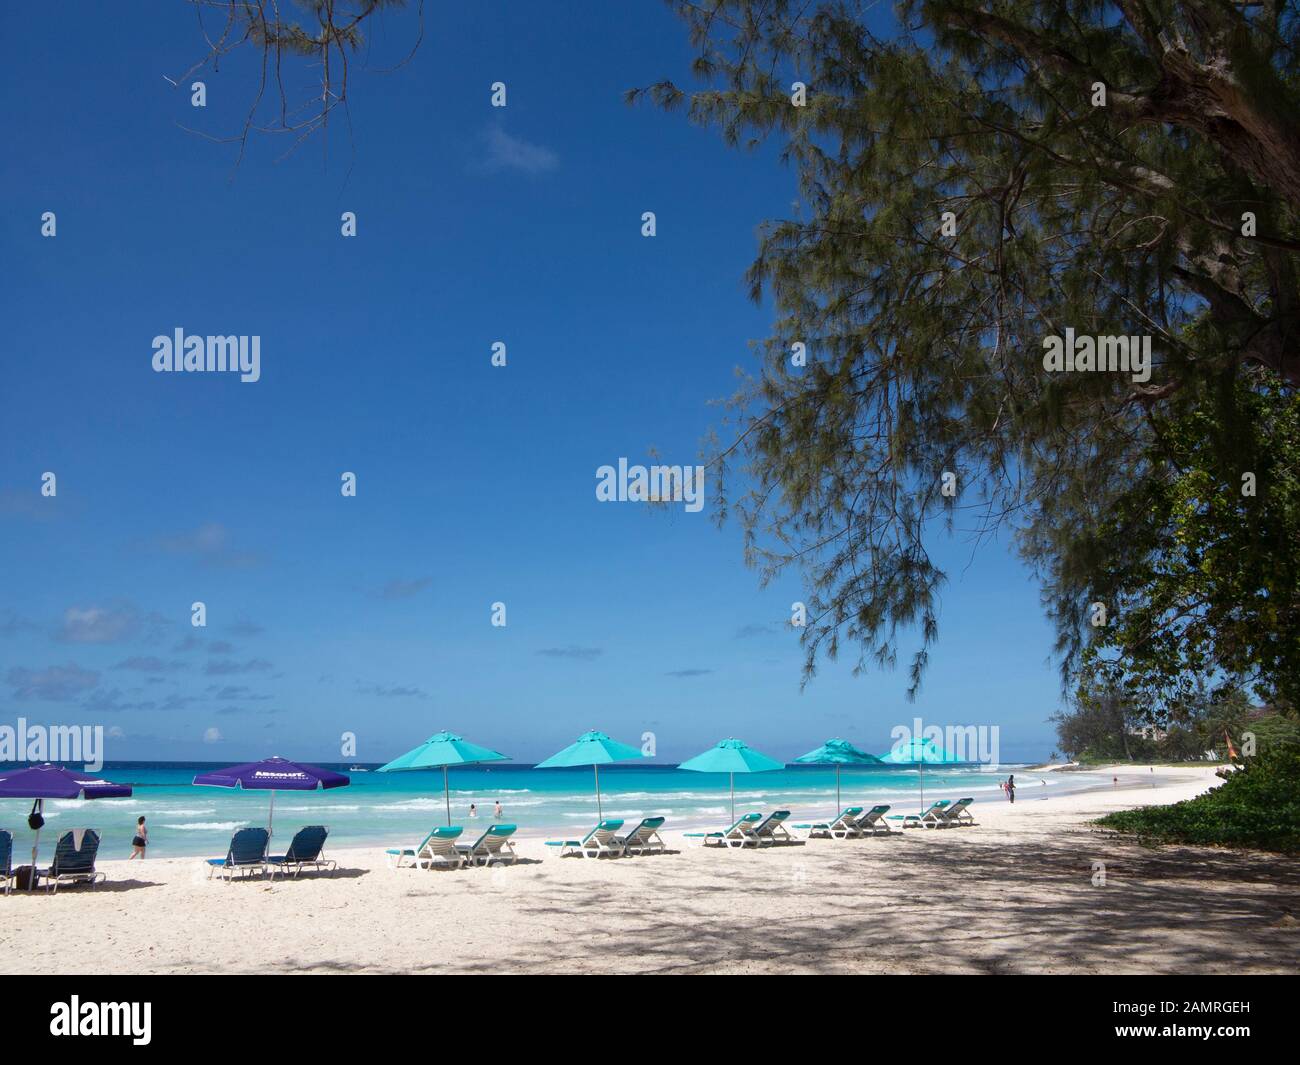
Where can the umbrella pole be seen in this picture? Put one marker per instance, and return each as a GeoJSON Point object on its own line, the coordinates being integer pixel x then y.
{"type": "Point", "coordinates": [838, 807]}
{"type": "Point", "coordinates": [446, 794]}
{"type": "Point", "coordinates": [31, 879]}
{"type": "Point", "coordinates": [599, 814]}
{"type": "Point", "coordinates": [733, 798]}
{"type": "Point", "coordinates": [922, 765]}
{"type": "Point", "coordinates": [270, 818]}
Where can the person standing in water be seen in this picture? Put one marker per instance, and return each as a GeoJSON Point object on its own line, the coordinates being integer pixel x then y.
{"type": "Point", "coordinates": [1011, 788]}
{"type": "Point", "coordinates": [140, 840]}
{"type": "Point", "coordinates": [473, 810]}
{"type": "Point", "coordinates": [497, 811]}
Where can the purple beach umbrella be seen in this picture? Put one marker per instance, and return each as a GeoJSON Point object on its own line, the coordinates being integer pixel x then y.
{"type": "Point", "coordinates": [41, 782]}
{"type": "Point", "coordinates": [274, 774]}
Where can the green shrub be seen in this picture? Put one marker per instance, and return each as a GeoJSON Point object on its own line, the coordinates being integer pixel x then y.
{"type": "Point", "coordinates": [1258, 806]}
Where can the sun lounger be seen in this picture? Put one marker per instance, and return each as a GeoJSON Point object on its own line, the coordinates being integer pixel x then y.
{"type": "Point", "coordinates": [247, 854]}
{"type": "Point", "coordinates": [438, 846]}
{"type": "Point", "coordinates": [844, 826]}
{"type": "Point", "coordinates": [488, 847]}
{"type": "Point", "coordinates": [304, 850]}
{"type": "Point", "coordinates": [7, 859]}
{"type": "Point", "coordinates": [873, 821]}
{"type": "Point", "coordinates": [772, 828]}
{"type": "Point", "coordinates": [601, 840]}
{"type": "Point", "coordinates": [644, 839]}
{"type": "Point", "coordinates": [957, 815]}
{"type": "Point", "coordinates": [928, 819]}
{"type": "Point", "coordinates": [738, 835]}
{"type": "Point", "coordinates": [74, 860]}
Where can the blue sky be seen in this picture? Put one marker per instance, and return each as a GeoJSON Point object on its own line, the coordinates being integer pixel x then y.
{"type": "Point", "coordinates": [475, 484]}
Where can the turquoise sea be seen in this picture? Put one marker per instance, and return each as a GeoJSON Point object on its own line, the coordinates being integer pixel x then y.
{"type": "Point", "coordinates": [389, 808]}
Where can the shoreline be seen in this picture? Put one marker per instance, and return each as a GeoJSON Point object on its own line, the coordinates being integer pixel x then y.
{"type": "Point", "coordinates": [209, 820]}
{"type": "Point", "coordinates": [1027, 794]}
{"type": "Point", "coordinates": [1016, 893]}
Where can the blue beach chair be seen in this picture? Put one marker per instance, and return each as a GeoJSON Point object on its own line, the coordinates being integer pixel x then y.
{"type": "Point", "coordinates": [304, 850]}
{"type": "Point", "coordinates": [600, 841]}
{"type": "Point", "coordinates": [957, 815]}
{"type": "Point", "coordinates": [488, 848]}
{"type": "Point", "coordinates": [74, 860]}
{"type": "Point", "coordinates": [873, 821]}
{"type": "Point", "coordinates": [739, 834]}
{"type": "Point", "coordinates": [247, 854]}
{"type": "Point", "coordinates": [7, 859]}
{"type": "Point", "coordinates": [845, 826]}
{"type": "Point", "coordinates": [439, 847]}
{"type": "Point", "coordinates": [644, 839]}
{"type": "Point", "coordinates": [926, 819]}
{"type": "Point", "coordinates": [772, 828]}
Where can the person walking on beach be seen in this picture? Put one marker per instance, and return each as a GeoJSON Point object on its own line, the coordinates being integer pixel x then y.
{"type": "Point", "coordinates": [140, 840]}
{"type": "Point", "coordinates": [1011, 788]}
{"type": "Point", "coordinates": [497, 811]}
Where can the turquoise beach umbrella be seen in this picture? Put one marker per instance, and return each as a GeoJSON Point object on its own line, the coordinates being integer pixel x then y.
{"type": "Point", "coordinates": [838, 753]}
{"type": "Point", "coordinates": [439, 751]}
{"type": "Point", "coordinates": [919, 752]}
{"type": "Point", "coordinates": [594, 749]}
{"type": "Point", "coordinates": [731, 756]}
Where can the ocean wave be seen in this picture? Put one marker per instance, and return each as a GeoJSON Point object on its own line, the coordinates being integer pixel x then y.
{"type": "Point", "coordinates": [197, 811]}
{"type": "Point", "coordinates": [498, 791]}
{"type": "Point", "coordinates": [206, 826]}
{"type": "Point", "coordinates": [77, 804]}
{"type": "Point", "coordinates": [482, 797]}
{"type": "Point", "coordinates": [683, 796]}
{"type": "Point", "coordinates": [419, 805]}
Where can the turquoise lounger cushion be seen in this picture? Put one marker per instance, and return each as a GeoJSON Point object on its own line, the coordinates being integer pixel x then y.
{"type": "Point", "coordinates": [609, 825]}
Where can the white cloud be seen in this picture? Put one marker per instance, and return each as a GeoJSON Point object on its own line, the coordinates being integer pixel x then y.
{"type": "Point", "coordinates": [212, 735]}
{"type": "Point", "coordinates": [210, 543]}
{"type": "Point", "coordinates": [97, 624]}
{"type": "Point", "coordinates": [207, 539]}
{"type": "Point", "coordinates": [55, 684]}
{"type": "Point", "coordinates": [505, 152]}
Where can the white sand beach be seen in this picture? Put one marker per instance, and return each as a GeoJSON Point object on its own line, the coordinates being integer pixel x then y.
{"type": "Point", "coordinates": [1014, 894]}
